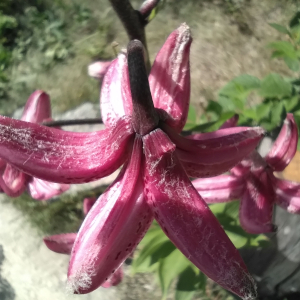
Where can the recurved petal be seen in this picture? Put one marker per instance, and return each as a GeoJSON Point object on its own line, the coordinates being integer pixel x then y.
{"type": "Point", "coordinates": [111, 230]}
{"type": "Point", "coordinates": [169, 78]}
{"type": "Point", "coordinates": [37, 108]}
{"type": "Point", "coordinates": [187, 220]}
{"type": "Point", "coordinates": [219, 189]}
{"type": "Point", "coordinates": [287, 195]}
{"type": "Point", "coordinates": [115, 100]}
{"type": "Point", "coordinates": [98, 69]}
{"type": "Point", "coordinates": [114, 279]}
{"type": "Point", "coordinates": [14, 180]}
{"type": "Point", "coordinates": [231, 144]}
{"type": "Point", "coordinates": [196, 170]}
{"type": "Point", "coordinates": [60, 243]}
{"type": "Point", "coordinates": [44, 190]}
{"type": "Point", "coordinates": [285, 145]}
{"type": "Point", "coordinates": [61, 156]}
{"type": "Point", "coordinates": [88, 204]}
{"type": "Point", "coordinates": [232, 122]}
{"type": "Point", "coordinates": [256, 209]}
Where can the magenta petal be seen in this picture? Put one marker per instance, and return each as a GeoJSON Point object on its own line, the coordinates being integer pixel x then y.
{"type": "Point", "coordinates": [61, 156]}
{"type": "Point", "coordinates": [88, 204]}
{"type": "Point", "coordinates": [115, 98]}
{"type": "Point", "coordinates": [114, 279]}
{"type": "Point", "coordinates": [285, 145]}
{"type": "Point", "coordinates": [169, 78]}
{"type": "Point", "coordinates": [187, 220]}
{"type": "Point", "coordinates": [98, 69]}
{"type": "Point", "coordinates": [287, 195]}
{"type": "Point", "coordinates": [44, 190]}
{"type": "Point", "coordinates": [37, 108]}
{"type": "Point", "coordinates": [14, 180]}
{"type": "Point", "coordinates": [112, 229]}
{"type": "Point", "coordinates": [256, 207]}
{"type": "Point", "coordinates": [195, 170]}
{"type": "Point", "coordinates": [60, 243]}
{"type": "Point", "coordinates": [219, 189]}
{"type": "Point", "coordinates": [223, 145]}
{"type": "Point", "coordinates": [232, 122]}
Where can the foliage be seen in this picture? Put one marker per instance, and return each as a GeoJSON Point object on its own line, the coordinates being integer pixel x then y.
{"type": "Point", "coordinates": [277, 94]}
{"type": "Point", "coordinates": [159, 255]}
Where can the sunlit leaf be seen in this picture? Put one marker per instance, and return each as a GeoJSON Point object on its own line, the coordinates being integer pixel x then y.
{"type": "Point", "coordinates": [279, 28]}
{"type": "Point", "coordinates": [275, 86]}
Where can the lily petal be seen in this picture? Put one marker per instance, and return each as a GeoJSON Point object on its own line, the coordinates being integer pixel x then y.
{"type": "Point", "coordinates": [232, 122]}
{"type": "Point", "coordinates": [112, 229]}
{"type": "Point", "coordinates": [115, 98]}
{"type": "Point", "coordinates": [219, 189]}
{"type": "Point", "coordinates": [45, 190]}
{"type": "Point", "coordinates": [195, 170]}
{"type": "Point", "coordinates": [14, 180]}
{"type": "Point", "coordinates": [169, 78]}
{"type": "Point", "coordinates": [88, 204]}
{"type": "Point", "coordinates": [37, 108]}
{"type": "Point", "coordinates": [285, 145]}
{"type": "Point", "coordinates": [231, 144]}
{"type": "Point", "coordinates": [98, 69]}
{"type": "Point", "coordinates": [287, 195]}
{"type": "Point", "coordinates": [61, 156]}
{"type": "Point", "coordinates": [187, 221]}
{"type": "Point", "coordinates": [60, 243]}
{"type": "Point", "coordinates": [256, 207]}
{"type": "Point", "coordinates": [114, 279]}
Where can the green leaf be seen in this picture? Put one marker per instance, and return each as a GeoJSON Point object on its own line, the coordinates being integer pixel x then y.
{"type": "Point", "coordinates": [186, 285]}
{"type": "Point", "coordinates": [152, 241]}
{"type": "Point", "coordinates": [169, 268]}
{"type": "Point", "coordinates": [240, 87]}
{"type": "Point", "coordinates": [291, 103]}
{"type": "Point", "coordinates": [191, 119]}
{"type": "Point", "coordinates": [250, 113]}
{"type": "Point", "coordinates": [295, 21]}
{"type": "Point", "coordinates": [279, 28]}
{"type": "Point", "coordinates": [263, 110]}
{"type": "Point", "coordinates": [292, 63]}
{"type": "Point", "coordinates": [211, 126]}
{"type": "Point", "coordinates": [283, 49]}
{"type": "Point", "coordinates": [214, 106]}
{"type": "Point", "coordinates": [274, 86]}
{"type": "Point", "coordinates": [238, 240]}
{"type": "Point", "coordinates": [278, 113]}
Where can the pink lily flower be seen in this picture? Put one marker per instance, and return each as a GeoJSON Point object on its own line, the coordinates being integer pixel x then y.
{"type": "Point", "coordinates": [252, 180]}
{"type": "Point", "coordinates": [142, 135]}
{"type": "Point", "coordinates": [63, 244]}
{"type": "Point", "coordinates": [13, 182]}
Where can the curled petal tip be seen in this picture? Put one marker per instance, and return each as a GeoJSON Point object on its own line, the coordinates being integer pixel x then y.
{"type": "Point", "coordinates": [169, 78]}
{"type": "Point", "coordinates": [115, 100]}
{"type": "Point", "coordinates": [232, 122]}
{"type": "Point", "coordinates": [37, 108]}
{"type": "Point", "coordinates": [98, 69]}
{"type": "Point", "coordinates": [285, 145]}
{"type": "Point", "coordinates": [60, 243]}
{"type": "Point", "coordinates": [87, 204]}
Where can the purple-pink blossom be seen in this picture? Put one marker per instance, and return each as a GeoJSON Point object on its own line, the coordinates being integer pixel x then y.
{"type": "Point", "coordinates": [143, 120]}
{"type": "Point", "coordinates": [252, 180]}
{"type": "Point", "coordinates": [63, 244]}
{"type": "Point", "coordinates": [13, 182]}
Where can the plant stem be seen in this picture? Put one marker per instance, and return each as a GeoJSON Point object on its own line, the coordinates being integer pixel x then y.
{"type": "Point", "coordinates": [72, 122]}
{"type": "Point", "coordinates": [133, 23]}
